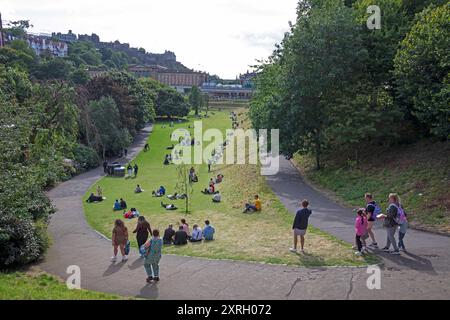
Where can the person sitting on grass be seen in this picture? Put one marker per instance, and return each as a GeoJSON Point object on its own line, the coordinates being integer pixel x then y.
{"type": "Point", "coordinates": [170, 147]}
{"type": "Point", "coordinates": [180, 237]}
{"type": "Point", "coordinates": [192, 175]}
{"type": "Point", "coordinates": [117, 206]}
{"type": "Point", "coordinates": [146, 147]}
{"type": "Point", "coordinates": [216, 197]}
{"type": "Point", "coordinates": [185, 226]}
{"type": "Point", "coordinates": [197, 234]}
{"type": "Point", "coordinates": [166, 160]}
{"type": "Point", "coordinates": [219, 178]}
{"type": "Point", "coordinates": [123, 204]}
{"type": "Point", "coordinates": [300, 225]}
{"type": "Point", "coordinates": [138, 189]}
{"type": "Point", "coordinates": [210, 190]}
{"type": "Point", "coordinates": [94, 198]}
{"type": "Point", "coordinates": [160, 192]}
{"type": "Point", "coordinates": [168, 206]}
{"type": "Point", "coordinates": [169, 233]}
{"type": "Point", "coordinates": [208, 231]}
{"type": "Point", "coordinates": [253, 207]}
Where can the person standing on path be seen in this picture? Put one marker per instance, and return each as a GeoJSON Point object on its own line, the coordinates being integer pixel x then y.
{"type": "Point", "coordinates": [125, 152]}
{"type": "Point", "coordinates": [360, 231]}
{"type": "Point", "coordinates": [105, 166]}
{"type": "Point", "coordinates": [143, 229]}
{"type": "Point", "coordinates": [135, 168]}
{"type": "Point", "coordinates": [119, 240]}
{"type": "Point", "coordinates": [130, 170]}
{"type": "Point", "coordinates": [401, 234]}
{"type": "Point", "coordinates": [300, 225]}
{"type": "Point", "coordinates": [372, 210]}
{"type": "Point", "coordinates": [390, 223]}
{"type": "Point", "coordinates": [153, 256]}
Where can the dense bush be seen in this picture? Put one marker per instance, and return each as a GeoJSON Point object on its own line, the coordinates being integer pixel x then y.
{"type": "Point", "coordinates": [19, 241]}
{"type": "Point", "coordinates": [85, 157]}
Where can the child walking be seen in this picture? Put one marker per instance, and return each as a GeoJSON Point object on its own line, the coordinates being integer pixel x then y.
{"type": "Point", "coordinates": [153, 256]}
{"type": "Point", "coordinates": [361, 231]}
{"type": "Point", "coordinates": [402, 232]}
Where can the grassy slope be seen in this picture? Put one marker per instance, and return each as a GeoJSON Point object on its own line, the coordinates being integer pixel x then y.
{"type": "Point", "coordinates": [420, 173]}
{"type": "Point", "coordinates": [261, 237]}
{"type": "Point", "coordinates": [25, 286]}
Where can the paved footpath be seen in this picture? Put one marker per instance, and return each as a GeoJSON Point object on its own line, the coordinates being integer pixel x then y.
{"type": "Point", "coordinates": [423, 274]}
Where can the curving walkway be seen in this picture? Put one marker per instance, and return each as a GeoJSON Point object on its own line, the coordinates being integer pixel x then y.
{"type": "Point", "coordinates": [75, 243]}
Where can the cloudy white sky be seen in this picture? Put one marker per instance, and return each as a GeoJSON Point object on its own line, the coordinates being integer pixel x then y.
{"type": "Point", "coordinates": [221, 37]}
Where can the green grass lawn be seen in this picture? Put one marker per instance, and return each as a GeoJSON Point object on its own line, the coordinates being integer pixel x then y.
{"type": "Point", "coordinates": [263, 237]}
{"type": "Point", "coordinates": [41, 286]}
{"type": "Point", "coordinates": [419, 173]}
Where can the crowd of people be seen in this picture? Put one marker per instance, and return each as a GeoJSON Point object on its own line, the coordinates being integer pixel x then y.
{"type": "Point", "coordinates": [394, 220]}
{"type": "Point", "coordinates": [150, 243]}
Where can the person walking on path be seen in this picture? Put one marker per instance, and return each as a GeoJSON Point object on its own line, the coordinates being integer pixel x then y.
{"type": "Point", "coordinates": [135, 168]}
{"type": "Point", "coordinates": [300, 225]}
{"type": "Point", "coordinates": [401, 234]}
{"type": "Point", "coordinates": [105, 166]}
{"type": "Point", "coordinates": [143, 229]}
{"type": "Point", "coordinates": [153, 256]}
{"type": "Point", "coordinates": [360, 230]}
{"type": "Point", "coordinates": [390, 223]}
{"type": "Point", "coordinates": [125, 152]}
{"type": "Point", "coordinates": [130, 170]}
{"type": "Point", "coordinates": [119, 239]}
{"type": "Point", "coordinates": [372, 210]}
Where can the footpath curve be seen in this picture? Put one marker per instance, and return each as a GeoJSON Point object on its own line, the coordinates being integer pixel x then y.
{"type": "Point", "coordinates": [76, 243]}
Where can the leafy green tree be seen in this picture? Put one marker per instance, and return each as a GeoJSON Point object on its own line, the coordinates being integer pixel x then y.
{"type": "Point", "coordinates": [422, 71]}
{"type": "Point", "coordinates": [195, 99]}
{"type": "Point", "coordinates": [53, 68]}
{"type": "Point", "coordinates": [105, 116]}
{"type": "Point", "coordinates": [79, 76]}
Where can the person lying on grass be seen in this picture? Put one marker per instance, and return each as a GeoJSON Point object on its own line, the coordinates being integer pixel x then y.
{"type": "Point", "coordinates": [168, 206]}
{"type": "Point", "coordinates": [94, 198]}
{"type": "Point", "coordinates": [177, 196]}
{"type": "Point", "coordinates": [256, 206]}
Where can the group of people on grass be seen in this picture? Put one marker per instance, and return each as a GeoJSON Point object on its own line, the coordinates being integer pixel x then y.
{"type": "Point", "coordinates": [395, 219]}
{"type": "Point", "coordinates": [150, 243]}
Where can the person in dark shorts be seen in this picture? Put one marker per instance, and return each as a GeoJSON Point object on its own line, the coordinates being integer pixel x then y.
{"type": "Point", "coordinates": [371, 211]}
{"type": "Point", "coordinates": [142, 230]}
{"type": "Point", "coordinates": [300, 225]}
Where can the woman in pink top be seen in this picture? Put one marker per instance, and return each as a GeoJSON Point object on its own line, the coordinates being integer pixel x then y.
{"type": "Point", "coordinates": [185, 226]}
{"type": "Point", "coordinates": [360, 230]}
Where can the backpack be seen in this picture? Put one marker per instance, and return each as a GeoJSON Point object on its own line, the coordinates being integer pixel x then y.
{"type": "Point", "coordinates": [376, 211]}
{"type": "Point", "coordinates": [401, 217]}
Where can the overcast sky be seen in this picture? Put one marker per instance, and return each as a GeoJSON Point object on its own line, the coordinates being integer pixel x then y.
{"type": "Point", "coordinates": [221, 37]}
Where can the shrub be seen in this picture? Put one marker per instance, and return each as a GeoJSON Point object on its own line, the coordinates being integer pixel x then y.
{"type": "Point", "coordinates": [19, 242]}
{"type": "Point", "coordinates": [86, 157]}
